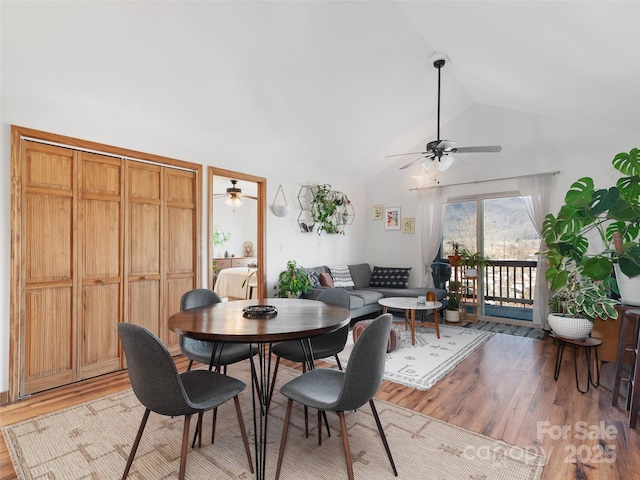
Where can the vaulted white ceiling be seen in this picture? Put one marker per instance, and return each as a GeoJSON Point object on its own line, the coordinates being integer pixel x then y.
{"type": "Point", "coordinates": [336, 84]}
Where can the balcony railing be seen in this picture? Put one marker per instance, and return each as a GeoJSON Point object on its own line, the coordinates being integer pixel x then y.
{"type": "Point", "coordinates": [508, 283]}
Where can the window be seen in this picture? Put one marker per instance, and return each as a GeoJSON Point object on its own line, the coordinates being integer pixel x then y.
{"type": "Point", "coordinates": [499, 228]}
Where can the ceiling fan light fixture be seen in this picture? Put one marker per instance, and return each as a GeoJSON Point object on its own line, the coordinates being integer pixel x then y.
{"type": "Point", "coordinates": [445, 162]}
{"type": "Point", "coordinates": [233, 200]}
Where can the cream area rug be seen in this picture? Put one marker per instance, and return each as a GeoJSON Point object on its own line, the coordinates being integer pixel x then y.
{"type": "Point", "coordinates": [421, 365]}
{"type": "Point", "coordinates": [92, 441]}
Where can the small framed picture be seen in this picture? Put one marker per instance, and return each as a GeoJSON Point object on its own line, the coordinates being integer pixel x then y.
{"type": "Point", "coordinates": [392, 218]}
{"type": "Point", "coordinates": [377, 212]}
{"type": "Point", "coordinates": [409, 225]}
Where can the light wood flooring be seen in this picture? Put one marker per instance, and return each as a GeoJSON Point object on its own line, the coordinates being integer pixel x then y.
{"type": "Point", "coordinates": [504, 390]}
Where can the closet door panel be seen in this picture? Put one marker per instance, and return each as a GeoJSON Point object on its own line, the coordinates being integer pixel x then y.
{"type": "Point", "coordinates": [48, 349]}
{"type": "Point", "coordinates": [180, 243]}
{"type": "Point", "coordinates": [48, 325]}
{"type": "Point", "coordinates": [49, 231]}
{"type": "Point", "coordinates": [101, 263]}
{"type": "Point", "coordinates": [144, 243]}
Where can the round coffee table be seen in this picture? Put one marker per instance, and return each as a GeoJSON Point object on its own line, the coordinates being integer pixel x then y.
{"type": "Point", "coordinates": [411, 304]}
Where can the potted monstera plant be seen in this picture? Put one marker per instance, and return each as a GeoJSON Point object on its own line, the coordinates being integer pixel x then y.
{"type": "Point", "coordinates": [613, 215]}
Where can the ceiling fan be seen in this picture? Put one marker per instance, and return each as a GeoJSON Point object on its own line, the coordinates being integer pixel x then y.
{"type": "Point", "coordinates": [441, 150]}
{"type": "Point", "coordinates": [234, 195]}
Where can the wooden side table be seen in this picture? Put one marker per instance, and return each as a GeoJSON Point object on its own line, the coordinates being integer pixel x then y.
{"type": "Point", "coordinates": [587, 344]}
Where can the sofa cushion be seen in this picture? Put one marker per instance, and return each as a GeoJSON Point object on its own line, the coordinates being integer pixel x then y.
{"type": "Point", "coordinates": [326, 280]}
{"type": "Point", "coordinates": [360, 274]}
{"type": "Point", "coordinates": [314, 279]}
{"type": "Point", "coordinates": [341, 276]}
{"type": "Point", "coordinates": [355, 302]}
{"type": "Point", "coordinates": [368, 296]}
{"type": "Point", "coordinates": [390, 277]}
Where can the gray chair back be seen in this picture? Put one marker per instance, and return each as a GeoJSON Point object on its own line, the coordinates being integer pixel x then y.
{"type": "Point", "coordinates": [338, 339]}
{"type": "Point", "coordinates": [335, 296]}
{"type": "Point", "coordinates": [153, 373]}
{"type": "Point", "coordinates": [199, 297]}
{"type": "Point", "coordinates": [365, 370]}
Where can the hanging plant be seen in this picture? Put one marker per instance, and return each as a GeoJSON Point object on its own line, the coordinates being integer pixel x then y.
{"type": "Point", "coordinates": [327, 209]}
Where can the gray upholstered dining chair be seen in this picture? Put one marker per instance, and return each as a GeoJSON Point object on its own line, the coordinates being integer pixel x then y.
{"type": "Point", "coordinates": [202, 350]}
{"type": "Point", "coordinates": [322, 346]}
{"type": "Point", "coordinates": [328, 389]}
{"type": "Point", "coordinates": [161, 389]}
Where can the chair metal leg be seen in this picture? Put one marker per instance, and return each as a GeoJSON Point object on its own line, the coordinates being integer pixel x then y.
{"type": "Point", "coordinates": [185, 446]}
{"type": "Point", "coordinates": [243, 431]}
{"type": "Point", "coordinates": [283, 440]}
{"type": "Point", "coordinates": [320, 427]}
{"type": "Point", "coordinates": [136, 442]}
{"type": "Point", "coordinates": [200, 429]}
{"type": "Point", "coordinates": [383, 436]}
{"type": "Point", "coordinates": [190, 365]}
{"type": "Point", "coordinates": [213, 427]}
{"type": "Point", "coordinates": [345, 444]}
{"type": "Point", "coordinates": [338, 362]}
{"type": "Point", "coordinates": [273, 382]}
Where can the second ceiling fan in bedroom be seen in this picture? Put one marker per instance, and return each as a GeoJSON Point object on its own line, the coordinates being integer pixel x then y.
{"type": "Point", "coordinates": [441, 151]}
{"type": "Point", "coordinates": [234, 195]}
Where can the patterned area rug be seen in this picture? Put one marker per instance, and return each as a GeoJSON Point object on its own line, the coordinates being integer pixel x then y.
{"type": "Point", "coordinates": [507, 329]}
{"type": "Point", "coordinates": [92, 441]}
{"type": "Point", "coordinates": [421, 365]}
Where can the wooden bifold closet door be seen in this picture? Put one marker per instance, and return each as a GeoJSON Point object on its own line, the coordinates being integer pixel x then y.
{"type": "Point", "coordinates": [102, 240]}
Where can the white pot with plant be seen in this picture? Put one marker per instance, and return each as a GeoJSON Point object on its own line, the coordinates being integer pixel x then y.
{"type": "Point", "coordinates": [453, 302]}
{"type": "Point", "coordinates": [576, 304]}
{"type": "Point", "coordinates": [219, 239]}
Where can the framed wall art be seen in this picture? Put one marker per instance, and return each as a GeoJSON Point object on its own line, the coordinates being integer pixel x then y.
{"type": "Point", "coordinates": [392, 218]}
{"type": "Point", "coordinates": [377, 212]}
{"type": "Point", "coordinates": [409, 225]}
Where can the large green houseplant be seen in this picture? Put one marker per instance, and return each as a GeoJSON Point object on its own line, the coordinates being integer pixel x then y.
{"type": "Point", "coordinates": [613, 213]}
{"type": "Point", "coordinates": [293, 281]}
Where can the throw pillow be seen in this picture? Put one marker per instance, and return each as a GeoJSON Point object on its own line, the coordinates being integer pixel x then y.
{"type": "Point", "coordinates": [326, 280]}
{"type": "Point", "coordinates": [341, 276]}
{"type": "Point", "coordinates": [313, 279]}
{"type": "Point", "coordinates": [390, 277]}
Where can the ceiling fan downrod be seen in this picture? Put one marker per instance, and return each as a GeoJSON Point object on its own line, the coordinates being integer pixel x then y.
{"type": "Point", "coordinates": [439, 64]}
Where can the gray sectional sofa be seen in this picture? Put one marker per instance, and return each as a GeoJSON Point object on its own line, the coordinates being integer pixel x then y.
{"type": "Point", "coordinates": [370, 286]}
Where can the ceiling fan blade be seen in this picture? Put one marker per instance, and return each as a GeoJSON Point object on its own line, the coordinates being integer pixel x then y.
{"type": "Point", "coordinates": [416, 161]}
{"type": "Point", "coordinates": [410, 153]}
{"type": "Point", "coordinates": [485, 149]}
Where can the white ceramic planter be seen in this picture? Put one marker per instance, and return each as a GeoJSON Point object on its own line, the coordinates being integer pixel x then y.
{"type": "Point", "coordinates": [569, 327]}
{"type": "Point", "coordinates": [629, 288]}
{"type": "Point", "coordinates": [471, 272]}
{"type": "Point", "coordinates": [453, 316]}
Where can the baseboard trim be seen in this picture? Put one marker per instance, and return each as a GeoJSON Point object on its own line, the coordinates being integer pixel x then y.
{"type": "Point", "coordinates": [4, 397]}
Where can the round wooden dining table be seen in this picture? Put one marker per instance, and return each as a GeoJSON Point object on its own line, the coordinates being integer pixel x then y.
{"type": "Point", "coordinates": [226, 322]}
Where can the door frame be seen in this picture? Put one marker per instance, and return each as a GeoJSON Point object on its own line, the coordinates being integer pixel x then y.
{"type": "Point", "coordinates": [261, 222]}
